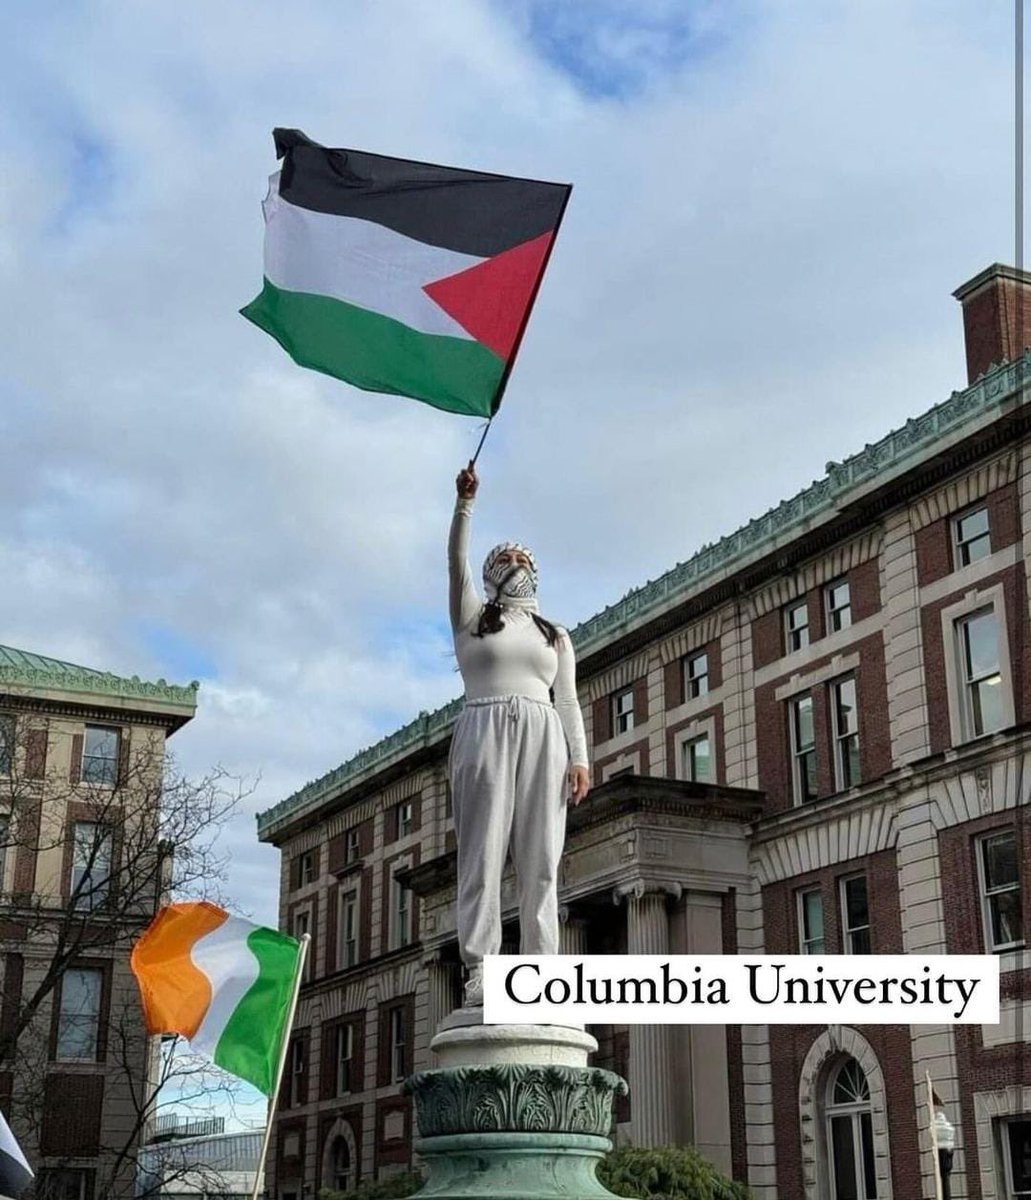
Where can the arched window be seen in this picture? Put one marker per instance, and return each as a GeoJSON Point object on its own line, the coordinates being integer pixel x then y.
{"type": "Point", "coordinates": [341, 1171]}
{"type": "Point", "coordinates": [850, 1133]}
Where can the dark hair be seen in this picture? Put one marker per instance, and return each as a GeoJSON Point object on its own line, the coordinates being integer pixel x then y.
{"type": "Point", "coordinates": [490, 622]}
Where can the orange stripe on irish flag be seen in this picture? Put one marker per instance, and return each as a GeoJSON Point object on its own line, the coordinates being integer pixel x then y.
{"type": "Point", "coordinates": [176, 994]}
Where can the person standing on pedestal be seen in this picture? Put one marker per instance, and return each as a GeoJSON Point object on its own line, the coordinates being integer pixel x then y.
{"type": "Point", "coordinates": [518, 750]}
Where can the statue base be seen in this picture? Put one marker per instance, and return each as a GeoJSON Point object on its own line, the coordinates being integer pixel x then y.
{"type": "Point", "coordinates": [513, 1112]}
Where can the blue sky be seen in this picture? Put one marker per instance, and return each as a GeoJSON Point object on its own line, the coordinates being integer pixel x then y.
{"type": "Point", "coordinates": [772, 205]}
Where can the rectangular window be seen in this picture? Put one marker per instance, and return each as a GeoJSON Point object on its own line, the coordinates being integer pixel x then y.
{"type": "Point", "coordinates": [803, 746]}
{"type": "Point", "coordinates": [296, 1068]}
{"type": "Point", "coordinates": [100, 755]}
{"type": "Point", "coordinates": [402, 913]}
{"type": "Point", "coordinates": [352, 846]}
{"type": "Point", "coordinates": [348, 948]}
{"type": "Point", "coordinates": [344, 1053]}
{"type": "Point", "coordinates": [855, 915]}
{"type": "Point", "coordinates": [78, 1018]}
{"type": "Point", "coordinates": [983, 701]}
{"type": "Point", "coordinates": [1016, 1152]}
{"type": "Point", "coordinates": [696, 676]}
{"type": "Point", "coordinates": [405, 818]}
{"type": "Point", "coordinates": [839, 606]}
{"type": "Point", "coordinates": [623, 711]}
{"type": "Point", "coordinates": [971, 537]}
{"type": "Point", "coordinates": [6, 745]}
{"type": "Point", "coordinates": [697, 764]}
{"type": "Point", "coordinates": [796, 626]}
{"type": "Point", "coordinates": [307, 871]}
{"type": "Point", "coordinates": [846, 733]}
{"type": "Point", "coordinates": [398, 1046]}
{"type": "Point", "coordinates": [1000, 891]}
{"type": "Point", "coordinates": [810, 922]}
{"type": "Point", "coordinates": [302, 925]}
{"type": "Point", "coordinates": [91, 865]}
{"type": "Point", "coordinates": [63, 1183]}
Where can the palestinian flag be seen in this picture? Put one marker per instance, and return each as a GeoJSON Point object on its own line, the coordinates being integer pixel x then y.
{"type": "Point", "coordinates": [401, 276]}
{"type": "Point", "coordinates": [15, 1172]}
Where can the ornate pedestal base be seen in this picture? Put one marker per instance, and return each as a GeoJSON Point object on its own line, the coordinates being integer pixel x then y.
{"type": "Point", "coordinates": [514, 1112]}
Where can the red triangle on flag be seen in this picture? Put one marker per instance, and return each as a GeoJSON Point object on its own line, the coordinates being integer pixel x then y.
{"type": "Point", "coordinates": [490, 300]}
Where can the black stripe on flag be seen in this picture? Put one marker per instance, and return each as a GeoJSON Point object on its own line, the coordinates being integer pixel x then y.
{"type": "Point", "coordinates": [467, 211]}
{"type": "Point", "coordinates": [15, 1175]}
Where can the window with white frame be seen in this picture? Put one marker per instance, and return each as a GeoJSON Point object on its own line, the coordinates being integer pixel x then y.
{"type": "Point", "coordinates": [6, 744]}
{"type": "Point", "coordinates": [307, 869]}
{"type": "Point", "coordinates": [623, 711]}
{"type": "Point", "coordinates": [401, 910]}
{"type": "Point", "coordinates": [398, 1045]}
{"type": "Point", "coordinates": [405, 818]}
{"type": "Point", "coordinates": [347, 924]}
{"type": "Point", "coordinates": [302, 925]}
{"type": "Point", "coordinates": [341, 1170]}
{"type": "Point", "coordinates": [344, 1057]}
{"type": "Point", "coordinates": [971, 537]}
{"type": "Point", "coordinates": [63, 1183]}
{"type": "Point", "coordinates": [839, 606]}
{"type": "Point", "coordinates": [100, 746]}
{"type": "Point", "coordinates": [796, 626]}
{"type": "Point", "coordinates": [849, 1132]}
{"type": "Point", "coordinates": [696, 676]}
{"type": "Point", "coordinates": [999, 869]}
{"type": "Point", "coordinates": [92, 845]}
{"type": "Point", "coordinates": [810, 921]}
{"type": "Point", "coordinates": [297, 1064]}
{"type": "Point", "coordinates": [855, 915]}
{"type": "Point", "coordinates": [1016, 1156]}
{"type": "Point", "coordinates": [78, 1018]}
{"type": "Point", "coordinates": [845, 711]}
{"type": "Point", "coordinates": [803, 749]}
{"type": "Point", "coordinates": [352, 846]}
{"type": "Point", "coordinates": [696, 764]}
{"type": "Point", "coordinates": [984, 702]}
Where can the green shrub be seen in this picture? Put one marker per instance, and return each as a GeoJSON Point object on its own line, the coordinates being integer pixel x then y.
{"type": "Point", "coordinates": [666, 1173]}
{"type": "Point", "coordinates": [394, 1187]}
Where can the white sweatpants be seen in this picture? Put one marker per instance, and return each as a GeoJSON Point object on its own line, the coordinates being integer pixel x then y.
{"type": "Point", "coordinates": [508, 767]}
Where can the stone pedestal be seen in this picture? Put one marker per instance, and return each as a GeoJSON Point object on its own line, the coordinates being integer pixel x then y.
{"type": "Point", "coordinates": [513, 1111]}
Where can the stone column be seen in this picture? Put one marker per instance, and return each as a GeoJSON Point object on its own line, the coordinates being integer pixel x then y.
{"type": "Point", "coordinates": [440, 980]}
{"type": "Point", "coordinates": [651, 1065]}
{"type": "Point", "coordinates": [572, 933]}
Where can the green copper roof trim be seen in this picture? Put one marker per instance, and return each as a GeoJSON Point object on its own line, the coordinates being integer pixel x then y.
{"type": "Point", "coordinates": [892, 454]}
{"type": "Point", "coordinates": [20, 668]}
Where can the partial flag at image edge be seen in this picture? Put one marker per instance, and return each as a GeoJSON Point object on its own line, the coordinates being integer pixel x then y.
{"type": "Point", "coordinates": [15, 1172]}
{"type": "Point", "coordinates": [223, 983]}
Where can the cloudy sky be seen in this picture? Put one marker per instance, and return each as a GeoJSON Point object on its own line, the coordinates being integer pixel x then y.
{"type": "Point", "coordinates": [772, 204]}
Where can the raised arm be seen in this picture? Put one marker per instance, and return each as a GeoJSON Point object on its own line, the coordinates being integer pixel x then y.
{"type": "Point", "coordinates": [464, 602]}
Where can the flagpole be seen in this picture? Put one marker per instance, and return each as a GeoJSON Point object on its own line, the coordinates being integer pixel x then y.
{"type": "Point", "coordinates": [483, 438]}
{"type": "Point", "coordinates": [284, 1049]}
{"type": "Point", "coordinates": [934, 1138]}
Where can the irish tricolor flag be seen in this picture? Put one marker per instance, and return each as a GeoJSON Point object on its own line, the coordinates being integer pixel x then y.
{"type": "Point", "coordinates": [224, 984]}
{"type": "Point", "coordinates": [402, 276]}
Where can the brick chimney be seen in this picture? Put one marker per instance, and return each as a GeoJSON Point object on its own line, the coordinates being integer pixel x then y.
{"type": "Point", "coordinates": [996, 317]}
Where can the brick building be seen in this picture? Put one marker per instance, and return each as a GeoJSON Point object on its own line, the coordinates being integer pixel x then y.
{"type": "Point", "coordinates": [809, 737]}
{"type": "Point", "coordinates": [81, 757]}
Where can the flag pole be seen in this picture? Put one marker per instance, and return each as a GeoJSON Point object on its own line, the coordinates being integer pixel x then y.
{"type": "Point", "coordinates": [934, 1138]}
{"type": "Point", "coordinates": [483, 438]}
{"type": "Point", "coordinates": [305, 943]}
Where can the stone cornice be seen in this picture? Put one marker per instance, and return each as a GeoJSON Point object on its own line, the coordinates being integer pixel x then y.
{"type": "Point", "coordinates": [641, 614]}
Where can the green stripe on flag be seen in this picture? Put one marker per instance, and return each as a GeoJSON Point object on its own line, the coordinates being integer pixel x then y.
{"type": "Point", "coordinates": [253, 1036]}
{"type": "Point", "coordinates": [378, 353]}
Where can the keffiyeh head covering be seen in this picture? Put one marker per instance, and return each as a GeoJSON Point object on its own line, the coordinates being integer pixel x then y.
{"type": "Point", "coordinates": [506, 584]}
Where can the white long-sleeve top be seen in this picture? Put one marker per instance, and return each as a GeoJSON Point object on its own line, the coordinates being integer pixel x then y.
{"type": "Point", "coordinates": [517, 660]}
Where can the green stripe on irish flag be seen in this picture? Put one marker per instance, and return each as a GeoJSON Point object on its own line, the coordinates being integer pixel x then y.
{"type": "Point", "coordinates": [221, 982]}
{"type": "Point", "coordinates": [400, 276]}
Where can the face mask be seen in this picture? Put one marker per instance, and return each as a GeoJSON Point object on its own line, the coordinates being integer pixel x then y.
{"type": "Point", "coordinates": [508, 583]}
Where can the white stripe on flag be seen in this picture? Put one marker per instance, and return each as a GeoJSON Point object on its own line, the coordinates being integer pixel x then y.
{"type": "Point", "coordinates": [230, 965]}
{"type": "Point", "coordinates": [359, 262]}
{"type": "Point", "coordinates": [15, 1172]}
